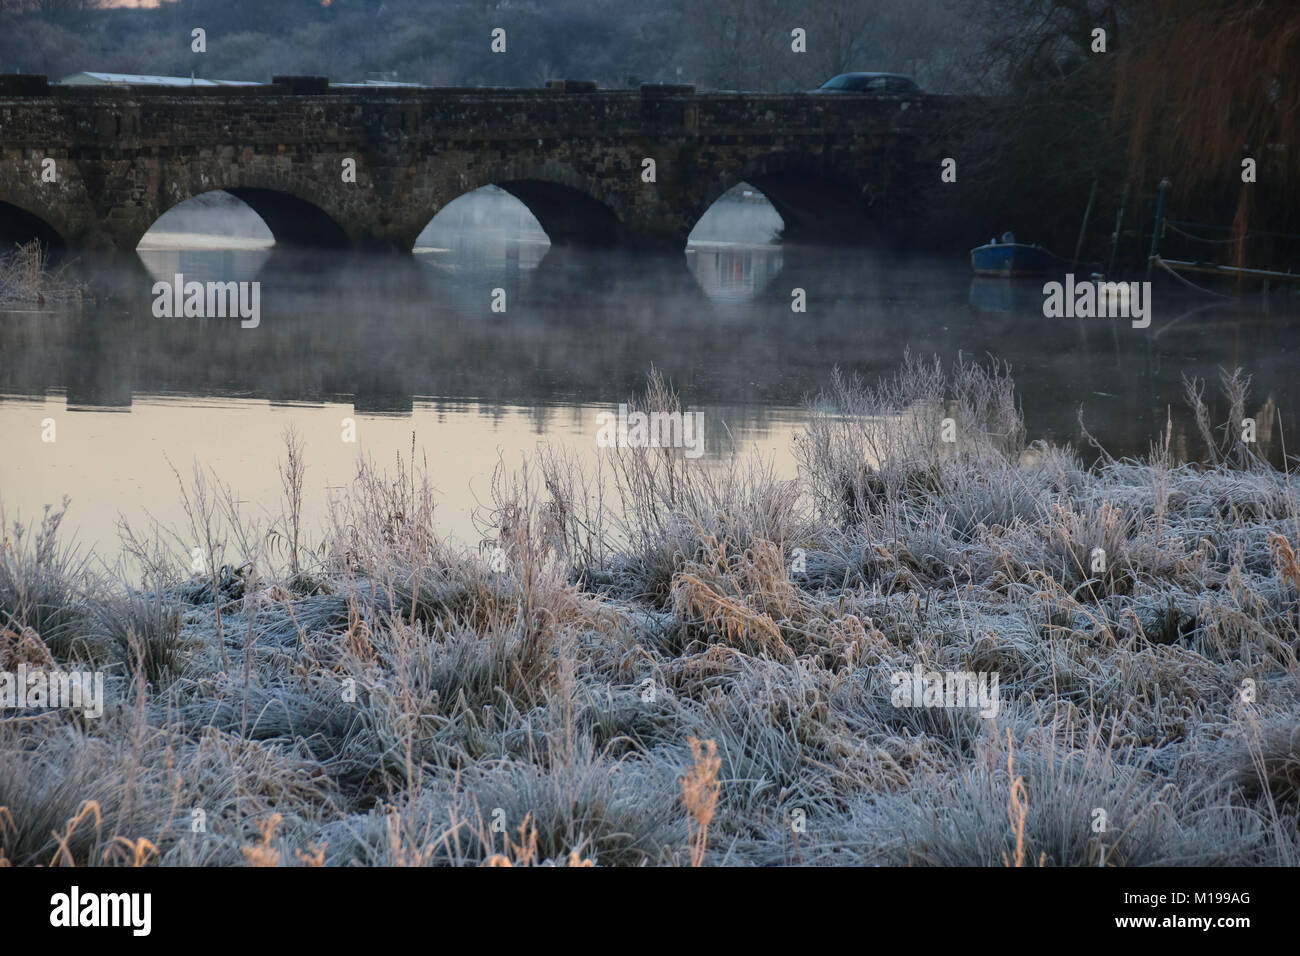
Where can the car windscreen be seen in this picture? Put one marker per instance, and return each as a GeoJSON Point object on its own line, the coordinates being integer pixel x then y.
{"type": "Point", "coordinates": [857, 83]}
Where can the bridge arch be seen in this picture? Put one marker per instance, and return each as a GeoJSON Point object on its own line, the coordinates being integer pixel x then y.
{"type": "Point", "coordinates": [758, 221]}
{"type": "Point", "coordinates": [572, 209]}
{"type": "Point", "coordinates": [570, 216]}
{"type": "Point", "coordinates": [817, 201]}
{"type": "Point", "coordinates": [292, 219]}
{"type": "Point", "coordinates": [19, 224]}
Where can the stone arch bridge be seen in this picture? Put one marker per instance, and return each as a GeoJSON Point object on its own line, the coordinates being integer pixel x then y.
{"type": "Point", "coordinates": [836, 167]}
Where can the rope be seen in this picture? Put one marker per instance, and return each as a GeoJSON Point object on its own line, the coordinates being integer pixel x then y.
{"type": "Point", "coordinates": [1161, 263]}
{"type": "Point", "coordinates": [1212, 242]}
{"type": "Point", "coordinates": [1196, 311]}
{"type": "Point", "coordinates": [1208, 225]}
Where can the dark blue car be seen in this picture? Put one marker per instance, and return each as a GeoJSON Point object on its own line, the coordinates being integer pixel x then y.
{"type": "Point", "coordinates": [868, 83]}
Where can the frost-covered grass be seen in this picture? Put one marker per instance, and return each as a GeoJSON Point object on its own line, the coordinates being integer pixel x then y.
{"type": "Point", "coordinates": [25, 276]}
{"type": "Point", "coordinates": [386, 698]}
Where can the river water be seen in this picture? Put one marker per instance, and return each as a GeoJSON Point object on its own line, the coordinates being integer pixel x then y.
{"type": "Point", "coordinates": [410, 348]}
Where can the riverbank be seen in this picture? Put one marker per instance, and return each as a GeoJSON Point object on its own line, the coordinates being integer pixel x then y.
{"type": "Point", "coordinates": [368, 693]}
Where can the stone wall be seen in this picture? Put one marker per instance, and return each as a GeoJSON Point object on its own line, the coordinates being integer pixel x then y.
{"type": "Point", "coordinates": [836, 167]}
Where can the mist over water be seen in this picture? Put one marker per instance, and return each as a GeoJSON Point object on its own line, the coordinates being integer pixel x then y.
{"type": "Point", "coordinates": [409, 346]}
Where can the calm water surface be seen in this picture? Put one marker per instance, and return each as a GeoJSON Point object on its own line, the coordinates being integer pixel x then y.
{"type": "Point", "coordinates": [409, 346]}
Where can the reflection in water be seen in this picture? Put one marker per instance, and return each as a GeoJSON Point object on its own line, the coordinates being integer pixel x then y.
{"type": "Point", "coordinates": [487, 229]}
{"type": "Point", "coordinates": [165, 262]}
{"type": "Point", "coordinates": [411, 344]}
{"type": "Point", "coordinates": [733, 274]}
{"type": "Point", "coordinates": [732, 249]}
{"type": "Point", "coordinates": [122, 464]}
{"type": "Point", "coordinates": [1006, 295]}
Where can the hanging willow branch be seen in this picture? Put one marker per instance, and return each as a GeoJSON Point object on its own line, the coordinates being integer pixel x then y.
{"type": "Point", "coordinates": [1199, 82]}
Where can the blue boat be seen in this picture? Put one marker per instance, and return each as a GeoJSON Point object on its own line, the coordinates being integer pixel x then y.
{"type": "Point", "coordinates": [1010, 259]}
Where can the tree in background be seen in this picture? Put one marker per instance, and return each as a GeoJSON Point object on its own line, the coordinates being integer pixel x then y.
{"type": "Point", "coordinates": [724, 44]}
{"type": "Point", "coordinates": [1039, 150]}
{"type": "Point", "coordinates": [1184, 89]}
{"type": "Point", "coordinates": [746, 44]}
